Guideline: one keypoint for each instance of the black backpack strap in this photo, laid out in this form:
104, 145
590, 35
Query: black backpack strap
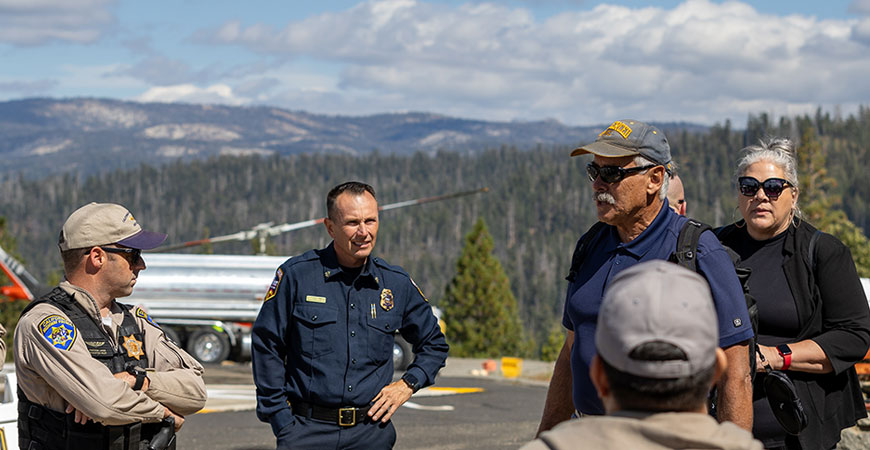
582, 249
812, 250
686, 253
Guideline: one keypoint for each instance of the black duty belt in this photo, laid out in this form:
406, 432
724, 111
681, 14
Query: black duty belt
345, 417
43, 428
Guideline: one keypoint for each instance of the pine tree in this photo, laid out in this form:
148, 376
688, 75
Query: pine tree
821, 207
479, 307
555, 340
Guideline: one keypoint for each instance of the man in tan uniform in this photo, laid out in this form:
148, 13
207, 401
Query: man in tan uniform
657, 358
94, 373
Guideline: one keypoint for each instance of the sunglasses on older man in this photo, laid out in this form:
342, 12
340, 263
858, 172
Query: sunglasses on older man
612, 174
772, 187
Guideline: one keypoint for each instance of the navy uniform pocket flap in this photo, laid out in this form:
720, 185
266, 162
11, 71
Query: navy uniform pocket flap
386, 323
315, 315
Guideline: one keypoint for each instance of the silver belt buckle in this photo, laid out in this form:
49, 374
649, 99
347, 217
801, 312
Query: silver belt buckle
346, 417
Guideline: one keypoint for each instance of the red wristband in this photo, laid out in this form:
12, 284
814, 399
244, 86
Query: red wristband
785, 352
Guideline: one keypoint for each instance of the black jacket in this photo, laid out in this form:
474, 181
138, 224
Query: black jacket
832, 311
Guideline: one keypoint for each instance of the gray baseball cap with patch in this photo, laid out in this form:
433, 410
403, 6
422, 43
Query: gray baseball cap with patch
105, 223
628, 138
658, 301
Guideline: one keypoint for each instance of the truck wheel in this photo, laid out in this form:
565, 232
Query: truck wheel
402, 354
209, 346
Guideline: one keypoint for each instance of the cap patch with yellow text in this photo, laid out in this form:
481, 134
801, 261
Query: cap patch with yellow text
619, 127
58, 331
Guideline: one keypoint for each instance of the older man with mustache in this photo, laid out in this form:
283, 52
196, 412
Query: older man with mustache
629, 174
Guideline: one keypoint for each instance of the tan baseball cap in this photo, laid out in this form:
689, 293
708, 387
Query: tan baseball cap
658, 301
105, 223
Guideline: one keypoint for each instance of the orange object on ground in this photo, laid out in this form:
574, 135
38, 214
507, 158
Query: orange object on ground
490, 366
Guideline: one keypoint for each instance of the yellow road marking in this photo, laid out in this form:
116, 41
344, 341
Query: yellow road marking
456, 390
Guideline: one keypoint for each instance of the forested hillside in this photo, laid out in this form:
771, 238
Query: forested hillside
538, 204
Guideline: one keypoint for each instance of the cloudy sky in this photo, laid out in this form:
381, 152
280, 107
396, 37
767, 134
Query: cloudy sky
579, 62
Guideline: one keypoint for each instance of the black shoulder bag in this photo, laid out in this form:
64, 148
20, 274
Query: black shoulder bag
784, 400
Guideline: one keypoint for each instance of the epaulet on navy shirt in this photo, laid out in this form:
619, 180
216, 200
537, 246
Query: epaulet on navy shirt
307, 256
385, 265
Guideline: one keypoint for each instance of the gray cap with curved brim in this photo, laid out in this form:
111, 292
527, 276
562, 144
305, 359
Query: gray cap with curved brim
105, 223
658, 301
628, 138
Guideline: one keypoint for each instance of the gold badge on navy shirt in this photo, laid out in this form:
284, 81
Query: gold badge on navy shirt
387, 299
133, 346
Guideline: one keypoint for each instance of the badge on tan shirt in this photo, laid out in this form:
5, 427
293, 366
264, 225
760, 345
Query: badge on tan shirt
387, 299
58, 331
133, 346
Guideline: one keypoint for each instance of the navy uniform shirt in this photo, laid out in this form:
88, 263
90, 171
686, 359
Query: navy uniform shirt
326, 338
607, 256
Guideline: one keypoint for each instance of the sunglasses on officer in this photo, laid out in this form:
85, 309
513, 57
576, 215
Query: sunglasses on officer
772, 187
132, 255
612, 174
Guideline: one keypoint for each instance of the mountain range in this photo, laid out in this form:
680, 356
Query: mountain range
85, 135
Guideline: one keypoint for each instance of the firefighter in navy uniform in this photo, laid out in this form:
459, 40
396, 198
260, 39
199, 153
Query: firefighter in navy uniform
94, 373
323, 341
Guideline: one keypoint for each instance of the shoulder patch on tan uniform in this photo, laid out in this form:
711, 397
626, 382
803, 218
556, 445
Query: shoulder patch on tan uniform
58, 331
140, 313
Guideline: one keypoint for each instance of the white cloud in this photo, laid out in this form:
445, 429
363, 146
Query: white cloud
36, 22
700, 61
188, 93
860, 7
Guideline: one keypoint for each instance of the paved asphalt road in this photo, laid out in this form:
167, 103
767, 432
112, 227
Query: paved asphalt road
503, 416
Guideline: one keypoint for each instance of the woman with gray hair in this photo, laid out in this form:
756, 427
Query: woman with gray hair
814, 322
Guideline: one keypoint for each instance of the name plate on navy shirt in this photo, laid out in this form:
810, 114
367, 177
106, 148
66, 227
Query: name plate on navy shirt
315, 299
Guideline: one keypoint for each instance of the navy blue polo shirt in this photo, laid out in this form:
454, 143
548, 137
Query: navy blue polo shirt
607, 256
325, 336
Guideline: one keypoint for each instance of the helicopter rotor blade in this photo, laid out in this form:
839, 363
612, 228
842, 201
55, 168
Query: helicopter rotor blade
274, 230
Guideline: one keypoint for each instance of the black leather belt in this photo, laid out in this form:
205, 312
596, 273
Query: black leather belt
345, 417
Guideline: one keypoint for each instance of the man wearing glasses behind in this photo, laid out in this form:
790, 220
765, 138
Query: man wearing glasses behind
629, 175
94, 373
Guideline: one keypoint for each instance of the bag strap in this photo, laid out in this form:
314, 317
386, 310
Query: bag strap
582, 249
686, 253
812, 250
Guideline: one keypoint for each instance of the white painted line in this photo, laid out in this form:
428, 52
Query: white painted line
413, 405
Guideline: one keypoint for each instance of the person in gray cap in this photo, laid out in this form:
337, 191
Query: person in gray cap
629, 178
94, 373
657, 358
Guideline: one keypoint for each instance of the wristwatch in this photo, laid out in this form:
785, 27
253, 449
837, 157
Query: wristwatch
411, 381
785, 352
140, 375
